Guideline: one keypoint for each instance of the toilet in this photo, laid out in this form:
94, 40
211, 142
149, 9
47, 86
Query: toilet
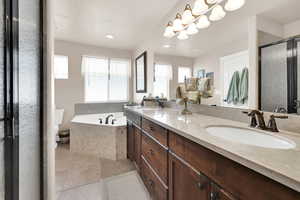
59, 114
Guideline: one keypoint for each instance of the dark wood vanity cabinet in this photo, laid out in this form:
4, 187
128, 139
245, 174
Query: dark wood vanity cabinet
175, 168
185, 182
137, 146
130, 141
218, 193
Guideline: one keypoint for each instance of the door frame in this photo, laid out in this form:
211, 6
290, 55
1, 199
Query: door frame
11, 97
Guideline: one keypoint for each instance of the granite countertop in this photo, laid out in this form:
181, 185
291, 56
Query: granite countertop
280, 165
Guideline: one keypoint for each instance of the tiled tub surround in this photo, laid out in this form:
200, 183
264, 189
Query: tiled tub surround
89, 137
282, 166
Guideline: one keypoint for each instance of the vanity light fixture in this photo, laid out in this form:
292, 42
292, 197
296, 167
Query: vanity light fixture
169, 32
192, 29
187, 16
233, 5
196, 18
217, 13
200, 7
177, 24
203, 22
183, 35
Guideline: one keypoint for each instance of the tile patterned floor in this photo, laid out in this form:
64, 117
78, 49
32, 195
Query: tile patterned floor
74, 170
126, 186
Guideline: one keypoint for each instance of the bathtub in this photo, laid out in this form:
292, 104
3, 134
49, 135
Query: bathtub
89, 137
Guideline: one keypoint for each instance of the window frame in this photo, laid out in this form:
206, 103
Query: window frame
168, 95
62, 56
191, 73
108, 84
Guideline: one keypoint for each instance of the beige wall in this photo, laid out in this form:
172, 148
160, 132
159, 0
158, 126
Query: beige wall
211, 63
71, 91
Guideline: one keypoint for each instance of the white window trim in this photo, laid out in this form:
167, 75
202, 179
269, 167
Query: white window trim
191, 72
63, 56
108, 92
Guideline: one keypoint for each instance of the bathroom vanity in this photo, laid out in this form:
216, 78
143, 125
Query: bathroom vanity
177, 159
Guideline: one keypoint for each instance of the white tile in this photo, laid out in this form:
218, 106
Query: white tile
94, 191
126, 187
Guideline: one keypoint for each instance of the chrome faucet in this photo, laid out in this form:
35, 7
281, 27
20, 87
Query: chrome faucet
107, 118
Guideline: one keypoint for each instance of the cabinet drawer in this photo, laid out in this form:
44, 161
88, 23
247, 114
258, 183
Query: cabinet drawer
155, 187
156, 131
237, 179
156, 156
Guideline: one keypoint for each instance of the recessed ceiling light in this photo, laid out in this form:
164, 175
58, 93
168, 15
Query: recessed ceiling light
167, 46
108, 36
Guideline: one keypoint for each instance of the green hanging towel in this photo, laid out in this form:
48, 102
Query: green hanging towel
243, 88
233, 92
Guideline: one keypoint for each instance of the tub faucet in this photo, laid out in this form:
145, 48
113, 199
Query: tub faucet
107, 118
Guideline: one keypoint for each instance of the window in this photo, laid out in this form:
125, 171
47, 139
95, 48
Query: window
184, 72
105, 79
162, 77
61, 68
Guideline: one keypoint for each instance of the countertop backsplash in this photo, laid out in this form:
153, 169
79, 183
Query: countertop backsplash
292, 124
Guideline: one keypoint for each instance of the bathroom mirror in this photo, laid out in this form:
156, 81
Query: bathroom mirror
250, 55
141, 73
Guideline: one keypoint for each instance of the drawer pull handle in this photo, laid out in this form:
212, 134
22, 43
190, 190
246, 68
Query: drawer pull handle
200, 185
152, 128
151, 152
151, 183
214, 196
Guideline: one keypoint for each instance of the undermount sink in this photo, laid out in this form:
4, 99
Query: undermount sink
250, 137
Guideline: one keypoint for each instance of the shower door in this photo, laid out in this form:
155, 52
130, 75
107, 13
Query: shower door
20, 99
2, 183
298, 73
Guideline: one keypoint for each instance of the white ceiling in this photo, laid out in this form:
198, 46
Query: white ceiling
88, 21
136, 22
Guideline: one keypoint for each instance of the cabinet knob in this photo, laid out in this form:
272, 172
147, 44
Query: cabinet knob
200, 185
214, 196
151, 152
152, 128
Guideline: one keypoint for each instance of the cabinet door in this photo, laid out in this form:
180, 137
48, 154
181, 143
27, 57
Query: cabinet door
130, 141
185, 182
137, 146
219, 194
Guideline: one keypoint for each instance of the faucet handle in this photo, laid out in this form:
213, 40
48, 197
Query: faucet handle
253, 121
272, 125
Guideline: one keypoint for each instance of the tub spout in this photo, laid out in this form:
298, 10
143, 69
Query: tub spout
107, 118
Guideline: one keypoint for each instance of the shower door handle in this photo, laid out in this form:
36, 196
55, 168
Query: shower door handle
2, 119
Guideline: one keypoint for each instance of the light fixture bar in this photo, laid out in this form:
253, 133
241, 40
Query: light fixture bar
211, 7
184, 24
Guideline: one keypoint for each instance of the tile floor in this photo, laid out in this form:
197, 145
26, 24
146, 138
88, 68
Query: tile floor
85, 174
126, 186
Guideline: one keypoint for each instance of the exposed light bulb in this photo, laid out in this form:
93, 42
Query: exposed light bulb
183, 35
200, 7
177, 24
217, 13
212, 1
233, 5
187, 16
192, 29
169, 32
203, 22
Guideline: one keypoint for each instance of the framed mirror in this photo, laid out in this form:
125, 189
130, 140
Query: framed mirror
141, 73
